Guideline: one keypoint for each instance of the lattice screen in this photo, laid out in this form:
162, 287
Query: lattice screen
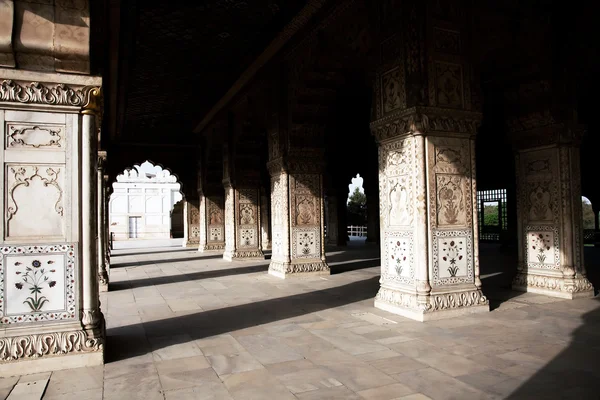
491, 198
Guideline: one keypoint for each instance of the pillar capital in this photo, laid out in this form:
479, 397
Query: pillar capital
431, 121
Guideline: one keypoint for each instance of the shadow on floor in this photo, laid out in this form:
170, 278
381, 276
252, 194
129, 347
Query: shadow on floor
117, 252
226, 271
164, 261
130, 341
572, 374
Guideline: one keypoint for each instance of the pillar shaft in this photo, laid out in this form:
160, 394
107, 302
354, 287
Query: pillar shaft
242, 223
549, 218
101, 227
91, 316
191, 215
297, 220
212, 223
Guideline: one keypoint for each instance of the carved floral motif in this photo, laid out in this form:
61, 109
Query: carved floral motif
34, 136
450, 201
247, 214
23, 175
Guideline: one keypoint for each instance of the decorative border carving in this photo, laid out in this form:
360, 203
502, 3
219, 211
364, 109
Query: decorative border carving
16, 136
23, 177
288, 268
557, 284
48, 344
439, 302
40, 93
71, 302
426, 119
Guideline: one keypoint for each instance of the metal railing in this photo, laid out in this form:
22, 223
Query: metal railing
357, 230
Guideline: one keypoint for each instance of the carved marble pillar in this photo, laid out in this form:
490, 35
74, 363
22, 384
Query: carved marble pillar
52, 319
242, 212
101, 227
191, 228
106, 232
212, 222
297, 218
265, 220
549, 216
332, 220
425, 126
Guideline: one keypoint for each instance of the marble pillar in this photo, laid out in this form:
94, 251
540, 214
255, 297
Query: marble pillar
297, 224
549, 222
106, 232
212, 223
265, 220
242, 223
48, 234
429, 245
101, 236
191, 227
425, 124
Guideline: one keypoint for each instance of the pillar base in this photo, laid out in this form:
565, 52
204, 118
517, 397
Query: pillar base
191, 244
43, 351
554, 286
211, 247
243, 255
437, 305
285, 270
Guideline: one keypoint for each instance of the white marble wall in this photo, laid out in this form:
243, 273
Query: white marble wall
148, 192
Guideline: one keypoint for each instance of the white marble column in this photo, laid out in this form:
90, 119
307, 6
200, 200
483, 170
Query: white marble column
242, 224
191, 215
101, 254
212, 223
429, 260
92, 318
265, 221
297, 212
549, 224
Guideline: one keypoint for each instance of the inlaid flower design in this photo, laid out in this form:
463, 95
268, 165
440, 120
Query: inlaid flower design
35, 278
306, 241
399, 256
541, 243
452, 254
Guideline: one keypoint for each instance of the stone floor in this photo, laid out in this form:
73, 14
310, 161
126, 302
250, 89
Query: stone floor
183, 325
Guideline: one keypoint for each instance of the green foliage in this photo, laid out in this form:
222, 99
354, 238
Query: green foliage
588, 216
490, 216
357, 208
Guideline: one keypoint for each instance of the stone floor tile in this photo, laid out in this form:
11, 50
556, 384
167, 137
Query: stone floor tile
484, 379
172, 347
183, 305
268, 349
415, 396
439, 386
256, 385
378, 355
91, 394
220, 344
8, 383
233, 363
451, 364
349, 342
75, 380
205, 391
140, 385
358, 375
184, 372
388, 392
337, 393
397, 365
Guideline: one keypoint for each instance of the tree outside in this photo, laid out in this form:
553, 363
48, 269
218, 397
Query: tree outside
588, 214
357, 208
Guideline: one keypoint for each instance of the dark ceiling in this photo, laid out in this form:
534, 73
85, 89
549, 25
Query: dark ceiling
177, 58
